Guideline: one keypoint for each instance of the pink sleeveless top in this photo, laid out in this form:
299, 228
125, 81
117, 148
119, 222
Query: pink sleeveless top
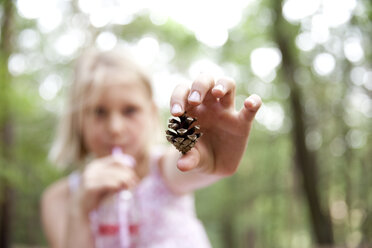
167, 220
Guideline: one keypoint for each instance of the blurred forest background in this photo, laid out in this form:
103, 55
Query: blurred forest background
306, 178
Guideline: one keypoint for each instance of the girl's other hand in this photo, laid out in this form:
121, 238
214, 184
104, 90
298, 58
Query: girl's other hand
101, 178
225, 130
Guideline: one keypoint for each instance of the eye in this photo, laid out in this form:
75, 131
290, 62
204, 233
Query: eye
130, 110
100, 111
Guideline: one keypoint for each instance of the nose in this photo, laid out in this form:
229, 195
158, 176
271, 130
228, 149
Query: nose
116, 124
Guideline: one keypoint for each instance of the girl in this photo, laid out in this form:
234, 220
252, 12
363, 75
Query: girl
111, 106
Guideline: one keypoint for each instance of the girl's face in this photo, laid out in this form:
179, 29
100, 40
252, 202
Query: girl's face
122, 115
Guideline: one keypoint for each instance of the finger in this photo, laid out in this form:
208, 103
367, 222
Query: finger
178, 99
121, 178
113, 164
189, 161
115, 170
251, 106
225, 91
116, 186
109, 181
199, 89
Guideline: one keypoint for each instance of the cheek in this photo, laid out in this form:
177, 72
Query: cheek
92, 136
143, 128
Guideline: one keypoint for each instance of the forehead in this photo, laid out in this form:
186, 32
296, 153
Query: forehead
118, 88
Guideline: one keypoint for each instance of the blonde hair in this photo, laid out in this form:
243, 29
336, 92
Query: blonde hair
93, 68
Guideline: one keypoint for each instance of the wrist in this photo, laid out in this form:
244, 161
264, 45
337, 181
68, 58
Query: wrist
77, 209
78, 233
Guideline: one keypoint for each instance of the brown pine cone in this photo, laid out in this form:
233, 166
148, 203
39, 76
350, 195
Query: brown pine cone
182, 134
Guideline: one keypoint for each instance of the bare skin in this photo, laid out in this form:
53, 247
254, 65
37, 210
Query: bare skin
216, 155
225, 132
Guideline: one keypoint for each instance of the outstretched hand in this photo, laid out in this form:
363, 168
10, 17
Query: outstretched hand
225, 130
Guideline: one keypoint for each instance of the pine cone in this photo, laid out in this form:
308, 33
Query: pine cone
182, 134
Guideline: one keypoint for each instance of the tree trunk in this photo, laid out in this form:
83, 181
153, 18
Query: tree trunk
228, 230
305, 161
6, 134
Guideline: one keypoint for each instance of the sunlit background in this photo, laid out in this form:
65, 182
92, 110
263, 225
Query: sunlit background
65, 31
175, 41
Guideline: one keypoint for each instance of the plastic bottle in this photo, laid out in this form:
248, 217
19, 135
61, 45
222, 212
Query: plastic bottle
132, 218
111, 213
133, 222
108, 233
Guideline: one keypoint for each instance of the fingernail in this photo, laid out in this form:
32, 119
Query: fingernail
176, 108
195, 96
253, 102
219, 87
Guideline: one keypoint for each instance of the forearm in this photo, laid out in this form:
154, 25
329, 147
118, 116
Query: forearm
186, 181
78, 232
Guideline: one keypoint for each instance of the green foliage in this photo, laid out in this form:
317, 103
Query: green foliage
262, 205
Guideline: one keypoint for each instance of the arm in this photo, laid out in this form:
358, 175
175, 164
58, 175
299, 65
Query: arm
63, 225
181, 182
219, 151
65, 216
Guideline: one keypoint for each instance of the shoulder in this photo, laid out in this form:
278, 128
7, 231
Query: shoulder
58, 191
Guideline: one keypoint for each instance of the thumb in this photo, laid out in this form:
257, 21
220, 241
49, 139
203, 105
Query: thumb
189, 161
